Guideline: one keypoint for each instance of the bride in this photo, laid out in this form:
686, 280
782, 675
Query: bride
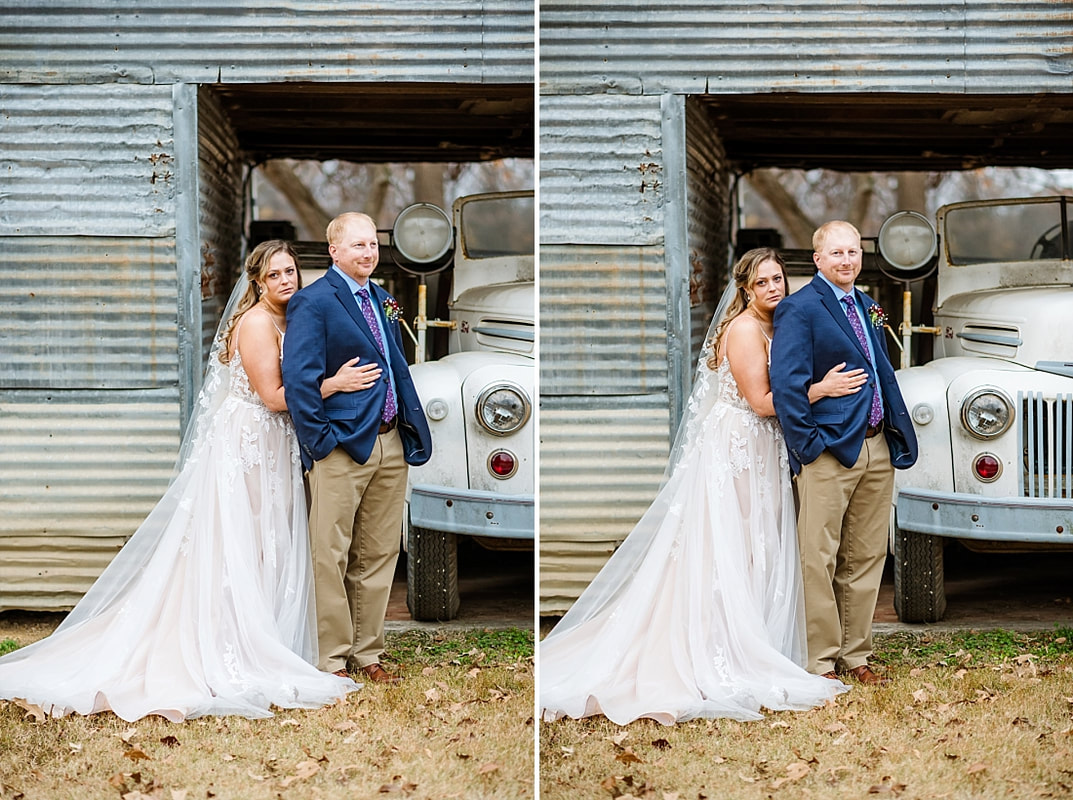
699, 612
207, 609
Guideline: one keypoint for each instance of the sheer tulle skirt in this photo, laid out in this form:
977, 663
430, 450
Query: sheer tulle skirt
208, 607
699, 612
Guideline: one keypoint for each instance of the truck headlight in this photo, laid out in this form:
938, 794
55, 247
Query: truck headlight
503, 408
986, 413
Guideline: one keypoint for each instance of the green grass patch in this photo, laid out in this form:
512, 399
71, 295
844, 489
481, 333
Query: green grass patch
980, 647
462, 647
8, 646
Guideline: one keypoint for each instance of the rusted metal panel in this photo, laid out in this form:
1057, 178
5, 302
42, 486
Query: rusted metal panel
636, 47
708, 214
603, 318
82, 312
79, 470
601, 170
152, 41
601, 462
86, 160
220, 206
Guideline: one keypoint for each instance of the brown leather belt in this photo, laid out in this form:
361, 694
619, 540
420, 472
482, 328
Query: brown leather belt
389, 426
871, 431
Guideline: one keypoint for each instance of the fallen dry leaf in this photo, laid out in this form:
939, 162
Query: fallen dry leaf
398, 785
797, 770
979, 766
179, 794
31, 710
128, 735
135, 753
627, 756
661, 744
169, 741
488, 768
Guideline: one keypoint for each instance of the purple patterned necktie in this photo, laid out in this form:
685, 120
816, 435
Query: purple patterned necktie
876, 414
366, 304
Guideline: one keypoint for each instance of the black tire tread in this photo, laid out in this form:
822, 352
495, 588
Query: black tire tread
432, 575
919, 589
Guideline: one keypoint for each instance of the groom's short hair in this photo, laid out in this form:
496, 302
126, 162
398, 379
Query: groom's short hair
338, 225
820, 235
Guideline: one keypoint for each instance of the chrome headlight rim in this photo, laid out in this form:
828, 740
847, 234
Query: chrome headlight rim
972, 398
513, 388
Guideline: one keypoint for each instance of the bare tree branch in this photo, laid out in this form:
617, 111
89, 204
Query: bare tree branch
863, 187
310, 213
798, 226
912, 192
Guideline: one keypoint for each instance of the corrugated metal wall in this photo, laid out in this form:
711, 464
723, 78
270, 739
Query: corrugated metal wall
79, 470
120, 221
162, 42
699, 46
614, 75
89, 404
86, 160
220, 175
620, 320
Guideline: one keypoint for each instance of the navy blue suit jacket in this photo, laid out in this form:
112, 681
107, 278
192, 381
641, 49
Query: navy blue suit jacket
325, 329
813, 334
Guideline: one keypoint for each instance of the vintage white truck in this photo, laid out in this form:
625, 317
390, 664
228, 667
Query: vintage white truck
993, 410
479, 398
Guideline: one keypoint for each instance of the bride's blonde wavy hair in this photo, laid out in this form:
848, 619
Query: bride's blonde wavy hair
744, 276
255, 268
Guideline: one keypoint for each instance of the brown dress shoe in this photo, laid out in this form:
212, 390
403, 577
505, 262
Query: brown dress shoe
830, 675
378, 674
342, 673
864, 674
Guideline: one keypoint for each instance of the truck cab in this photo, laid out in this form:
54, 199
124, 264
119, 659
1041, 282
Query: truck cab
993, 410
479, 400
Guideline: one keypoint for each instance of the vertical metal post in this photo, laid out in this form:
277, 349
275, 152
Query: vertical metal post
421, 323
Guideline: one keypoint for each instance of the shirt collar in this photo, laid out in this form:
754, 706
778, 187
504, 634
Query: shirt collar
353, 284
838, 290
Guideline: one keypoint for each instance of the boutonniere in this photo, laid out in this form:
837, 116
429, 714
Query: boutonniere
877, 315
391, 309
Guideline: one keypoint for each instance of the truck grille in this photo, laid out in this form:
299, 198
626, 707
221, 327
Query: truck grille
1045, 434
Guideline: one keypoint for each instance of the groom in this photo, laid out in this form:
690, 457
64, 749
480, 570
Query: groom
356, 446
843, 450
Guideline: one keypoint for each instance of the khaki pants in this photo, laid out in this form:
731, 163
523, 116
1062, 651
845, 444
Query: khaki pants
842, 534
355, 527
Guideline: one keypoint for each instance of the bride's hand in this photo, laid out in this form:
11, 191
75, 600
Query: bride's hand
351, 377
837, 383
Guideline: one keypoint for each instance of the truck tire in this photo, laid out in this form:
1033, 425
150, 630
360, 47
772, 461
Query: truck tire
919, 593
432, 575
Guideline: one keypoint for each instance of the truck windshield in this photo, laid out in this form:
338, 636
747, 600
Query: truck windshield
1022, 231
499, 226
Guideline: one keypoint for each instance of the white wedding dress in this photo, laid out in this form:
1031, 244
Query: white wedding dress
208, 607
699, 613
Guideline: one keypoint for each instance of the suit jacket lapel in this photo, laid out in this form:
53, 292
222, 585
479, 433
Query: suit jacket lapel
350, 303
838, 312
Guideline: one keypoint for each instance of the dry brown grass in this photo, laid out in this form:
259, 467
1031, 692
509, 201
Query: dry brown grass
968, 716
459, 726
